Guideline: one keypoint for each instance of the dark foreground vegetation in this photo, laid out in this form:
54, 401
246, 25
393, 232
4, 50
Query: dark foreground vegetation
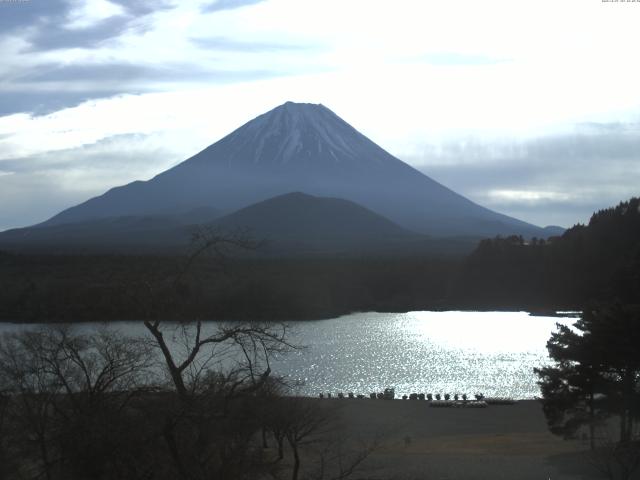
597, 261
593, 388
48, 288
103, 406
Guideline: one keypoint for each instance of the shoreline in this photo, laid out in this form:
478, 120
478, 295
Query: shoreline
550, 313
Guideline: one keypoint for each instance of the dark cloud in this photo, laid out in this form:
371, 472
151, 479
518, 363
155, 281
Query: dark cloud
35, 91
45, 102
55, 37
51, 17
18, 15
228, 5
126, 73
51, 86
138, 8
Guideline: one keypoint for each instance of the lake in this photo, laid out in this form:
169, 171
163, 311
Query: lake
429, 352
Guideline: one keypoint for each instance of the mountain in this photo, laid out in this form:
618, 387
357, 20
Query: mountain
123, 233
300, 148
297, 221
553, 231
292, 224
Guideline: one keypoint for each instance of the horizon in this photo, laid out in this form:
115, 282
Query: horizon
530, 127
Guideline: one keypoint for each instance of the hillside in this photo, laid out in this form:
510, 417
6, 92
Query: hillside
297, 221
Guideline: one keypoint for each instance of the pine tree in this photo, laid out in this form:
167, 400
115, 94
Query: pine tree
596, 372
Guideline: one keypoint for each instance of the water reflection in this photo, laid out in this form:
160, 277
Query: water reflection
430, 352
454, 352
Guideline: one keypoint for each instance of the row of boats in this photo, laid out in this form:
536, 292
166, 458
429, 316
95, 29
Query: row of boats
437, 400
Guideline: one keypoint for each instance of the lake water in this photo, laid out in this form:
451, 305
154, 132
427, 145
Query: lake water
429, 352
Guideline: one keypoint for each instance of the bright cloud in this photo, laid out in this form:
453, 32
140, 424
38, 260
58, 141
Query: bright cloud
87, 13
528, 196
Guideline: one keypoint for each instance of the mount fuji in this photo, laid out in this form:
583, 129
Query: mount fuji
296, 148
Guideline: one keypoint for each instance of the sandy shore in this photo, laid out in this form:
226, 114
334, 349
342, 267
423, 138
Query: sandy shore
499, 442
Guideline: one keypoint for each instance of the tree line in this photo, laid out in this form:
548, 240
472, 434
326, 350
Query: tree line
600, 260
592, 388
64, 288
597, 261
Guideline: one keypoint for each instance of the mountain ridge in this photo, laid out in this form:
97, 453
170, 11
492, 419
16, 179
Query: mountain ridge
307, 148
300, 216
290, 224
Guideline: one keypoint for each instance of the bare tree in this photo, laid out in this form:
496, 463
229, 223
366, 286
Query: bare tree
614, 459
216, 370
68, 395
305, 423
93, 406
5, 455
338, 460
314, 433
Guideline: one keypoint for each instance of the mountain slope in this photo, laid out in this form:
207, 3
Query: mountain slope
308, 221
293, 223
129, 233
306, 148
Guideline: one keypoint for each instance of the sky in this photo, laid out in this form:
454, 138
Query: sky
530, 108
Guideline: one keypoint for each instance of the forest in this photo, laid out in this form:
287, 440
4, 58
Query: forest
597, 260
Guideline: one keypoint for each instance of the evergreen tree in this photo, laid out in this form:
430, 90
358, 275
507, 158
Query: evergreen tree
570, 387
596, 372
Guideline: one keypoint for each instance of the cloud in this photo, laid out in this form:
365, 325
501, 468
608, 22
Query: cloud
228, 44
528, 196
59, 37
33, 198
39, 186
87, 13
559, 179
53, 87
35, 40
55, 58
220, 5
140, 8
453, 58
124, 75
87, 24
58, 24
16, 16
101, 162
44, 102
402, 73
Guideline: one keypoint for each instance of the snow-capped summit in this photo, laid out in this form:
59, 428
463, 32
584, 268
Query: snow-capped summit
298, 135
300, 147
